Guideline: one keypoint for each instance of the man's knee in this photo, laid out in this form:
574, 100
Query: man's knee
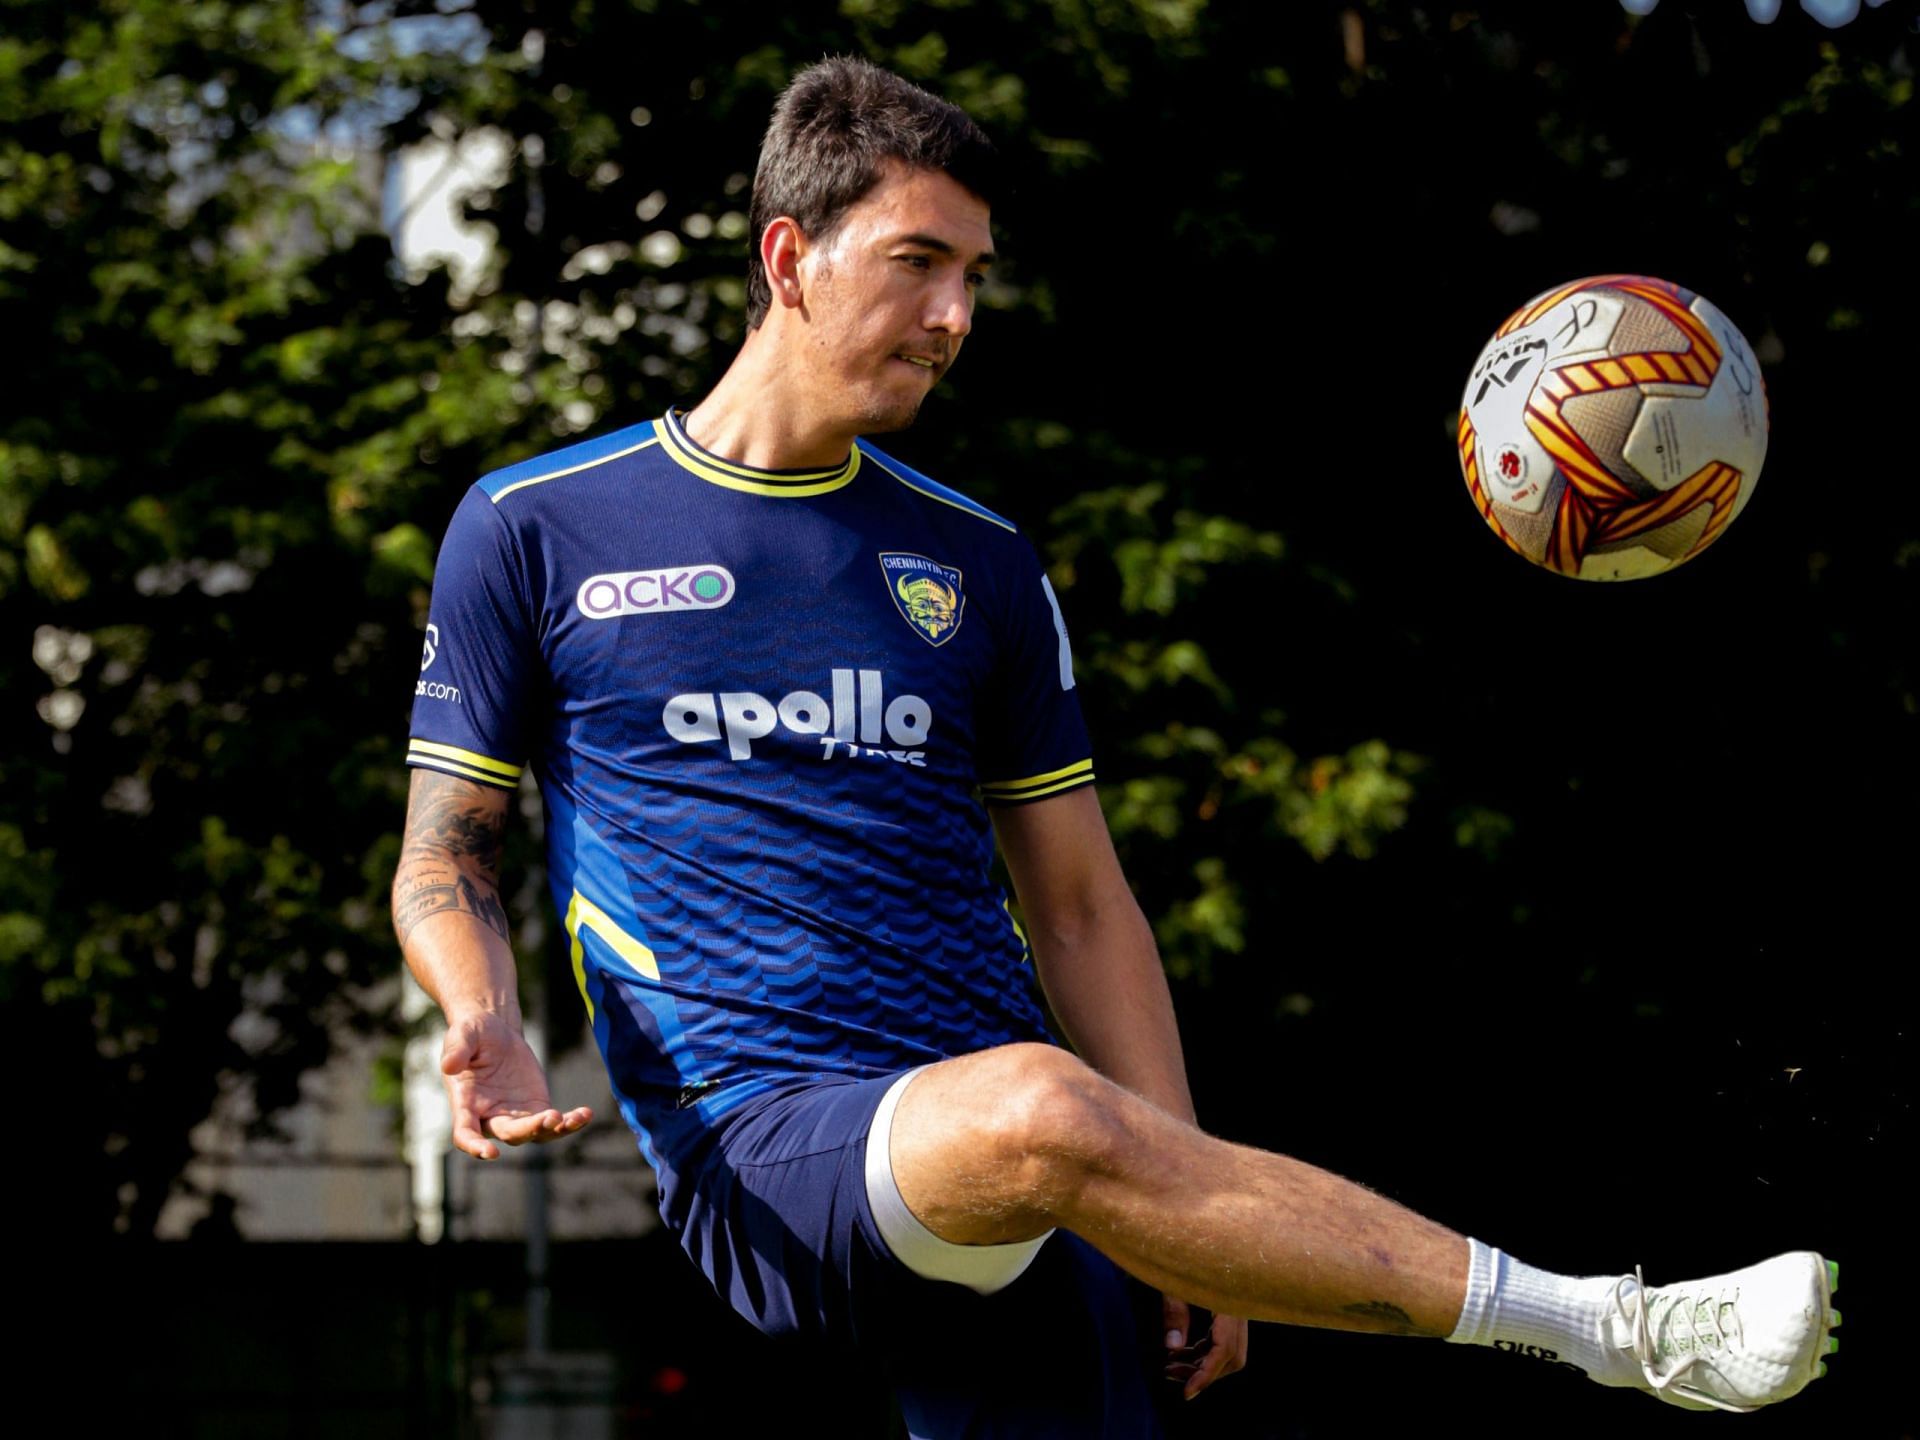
997, 1145
1049, 1121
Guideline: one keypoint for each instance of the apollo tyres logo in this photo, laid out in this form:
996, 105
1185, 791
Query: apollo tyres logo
858, 723
650, 592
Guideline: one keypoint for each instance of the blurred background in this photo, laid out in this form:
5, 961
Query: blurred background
1578, 916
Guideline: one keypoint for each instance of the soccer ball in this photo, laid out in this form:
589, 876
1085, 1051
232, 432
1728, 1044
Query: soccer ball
1613, 428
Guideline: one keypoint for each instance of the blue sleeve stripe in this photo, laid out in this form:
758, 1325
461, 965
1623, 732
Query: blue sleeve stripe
933, 489
570, 461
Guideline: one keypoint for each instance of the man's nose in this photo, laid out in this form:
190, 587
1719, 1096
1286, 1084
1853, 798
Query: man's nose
952, 309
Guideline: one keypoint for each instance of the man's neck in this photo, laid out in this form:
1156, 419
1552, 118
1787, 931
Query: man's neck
755, 417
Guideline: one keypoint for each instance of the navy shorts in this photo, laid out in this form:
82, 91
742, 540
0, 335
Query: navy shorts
780, 1222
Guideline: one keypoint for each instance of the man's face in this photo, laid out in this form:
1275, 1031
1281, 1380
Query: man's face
889, 296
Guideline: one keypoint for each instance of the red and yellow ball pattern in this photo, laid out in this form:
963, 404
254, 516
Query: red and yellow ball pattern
1613, 427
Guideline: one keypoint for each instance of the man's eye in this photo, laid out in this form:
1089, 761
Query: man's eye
919, 262
976, 279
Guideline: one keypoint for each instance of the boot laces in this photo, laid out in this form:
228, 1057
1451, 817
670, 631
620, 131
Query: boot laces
1680, 1317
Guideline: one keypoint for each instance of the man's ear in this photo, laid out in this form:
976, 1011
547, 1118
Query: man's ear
782, 246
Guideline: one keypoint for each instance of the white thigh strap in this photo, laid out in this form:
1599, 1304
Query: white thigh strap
985, 1268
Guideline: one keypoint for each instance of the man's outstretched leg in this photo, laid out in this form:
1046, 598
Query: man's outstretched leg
1003, 1145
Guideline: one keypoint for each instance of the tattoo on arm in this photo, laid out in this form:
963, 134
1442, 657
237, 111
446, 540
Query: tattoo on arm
1391, 1318
452, 819
452, 841
424, 900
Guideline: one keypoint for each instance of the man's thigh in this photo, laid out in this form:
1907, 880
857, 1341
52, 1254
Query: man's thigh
778, 1218
784, 1226
798, 1221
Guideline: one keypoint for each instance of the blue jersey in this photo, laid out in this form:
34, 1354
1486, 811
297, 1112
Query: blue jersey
764, 709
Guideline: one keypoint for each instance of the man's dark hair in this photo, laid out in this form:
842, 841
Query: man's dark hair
833, 129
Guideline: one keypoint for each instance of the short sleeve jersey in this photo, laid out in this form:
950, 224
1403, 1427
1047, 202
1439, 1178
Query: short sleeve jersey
764, 709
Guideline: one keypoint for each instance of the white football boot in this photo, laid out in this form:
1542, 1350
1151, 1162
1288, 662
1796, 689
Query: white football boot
1729, 1342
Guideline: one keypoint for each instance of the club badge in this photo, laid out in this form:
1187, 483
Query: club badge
926, 593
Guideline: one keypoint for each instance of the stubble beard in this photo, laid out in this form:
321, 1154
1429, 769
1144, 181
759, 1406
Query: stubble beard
885, 416
881, 408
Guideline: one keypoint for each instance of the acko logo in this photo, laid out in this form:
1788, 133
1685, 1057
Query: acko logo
858, 721
647, 592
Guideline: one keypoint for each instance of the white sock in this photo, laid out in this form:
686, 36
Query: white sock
1562, 1319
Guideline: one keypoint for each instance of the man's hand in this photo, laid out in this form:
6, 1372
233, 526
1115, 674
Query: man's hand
1196, 1365
496, 1089
447, 913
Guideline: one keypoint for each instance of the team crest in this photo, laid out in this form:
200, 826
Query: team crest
926, 593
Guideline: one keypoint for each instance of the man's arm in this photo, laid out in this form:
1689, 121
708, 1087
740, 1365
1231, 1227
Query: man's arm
1095, 955
1092, 947
453, 930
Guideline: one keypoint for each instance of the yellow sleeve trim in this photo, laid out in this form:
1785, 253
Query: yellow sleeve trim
996, 797
1036, 787
466, 757
1078, 768
454, 767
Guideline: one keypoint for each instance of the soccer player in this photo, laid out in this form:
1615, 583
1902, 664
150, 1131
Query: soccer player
781, 693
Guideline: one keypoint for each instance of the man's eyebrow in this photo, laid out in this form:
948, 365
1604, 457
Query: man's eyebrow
934, 242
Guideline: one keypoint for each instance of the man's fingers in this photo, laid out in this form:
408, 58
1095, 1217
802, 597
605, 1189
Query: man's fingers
1228, 1354
537, 1127
468, 1139
469, 1130
1206, 1372
519, 1129
1230, 1334
1173, 1319
1187, 1340
476, 1137
554, 1125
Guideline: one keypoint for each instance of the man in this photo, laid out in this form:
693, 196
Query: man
762, 670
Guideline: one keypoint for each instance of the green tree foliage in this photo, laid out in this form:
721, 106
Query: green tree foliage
1250, 250
203, 570
224, 480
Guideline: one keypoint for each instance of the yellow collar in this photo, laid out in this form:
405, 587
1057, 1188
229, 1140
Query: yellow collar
675, 441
